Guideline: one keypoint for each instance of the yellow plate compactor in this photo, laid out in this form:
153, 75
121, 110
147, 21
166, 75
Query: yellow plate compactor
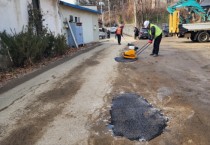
133, 51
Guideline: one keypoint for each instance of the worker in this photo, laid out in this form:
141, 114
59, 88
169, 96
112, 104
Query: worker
108, 33
119, 34
136, 32
155, 34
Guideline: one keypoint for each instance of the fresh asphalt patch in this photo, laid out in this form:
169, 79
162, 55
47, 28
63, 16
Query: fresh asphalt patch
122, 59
135, 118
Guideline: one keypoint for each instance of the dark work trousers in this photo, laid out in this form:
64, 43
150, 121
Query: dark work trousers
157, 44
119, 38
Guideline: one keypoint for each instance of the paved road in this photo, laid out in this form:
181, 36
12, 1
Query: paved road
74, 90
69, 104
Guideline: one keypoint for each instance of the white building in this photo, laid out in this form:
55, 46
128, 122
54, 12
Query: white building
86, 16
70, 1
14, 15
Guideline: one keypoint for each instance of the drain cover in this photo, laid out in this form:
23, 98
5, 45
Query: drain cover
122, 59
134, 118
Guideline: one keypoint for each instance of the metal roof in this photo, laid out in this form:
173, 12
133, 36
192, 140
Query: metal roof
79, 7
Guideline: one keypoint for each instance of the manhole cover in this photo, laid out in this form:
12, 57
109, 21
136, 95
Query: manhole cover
134, 118
122, 59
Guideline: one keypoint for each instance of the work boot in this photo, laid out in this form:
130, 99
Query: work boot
155, 55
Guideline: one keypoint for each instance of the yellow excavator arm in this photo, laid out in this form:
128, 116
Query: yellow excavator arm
174, 22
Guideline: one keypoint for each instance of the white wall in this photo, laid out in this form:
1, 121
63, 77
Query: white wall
51, 15
13, 15
89, 22
71, 1
91, 7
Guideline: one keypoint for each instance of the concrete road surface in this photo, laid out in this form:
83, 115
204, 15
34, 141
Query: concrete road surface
69, 104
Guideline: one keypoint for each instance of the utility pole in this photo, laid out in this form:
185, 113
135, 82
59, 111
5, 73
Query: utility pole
109, 13
123, 9
101, 4
142, 12
157, 8
134, 4
114, 7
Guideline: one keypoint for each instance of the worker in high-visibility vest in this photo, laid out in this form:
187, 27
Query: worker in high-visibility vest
119, 34
155, 33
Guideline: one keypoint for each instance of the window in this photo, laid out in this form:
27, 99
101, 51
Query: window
75, 19
71, 18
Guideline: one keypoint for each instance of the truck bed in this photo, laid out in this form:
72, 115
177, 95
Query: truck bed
197, 26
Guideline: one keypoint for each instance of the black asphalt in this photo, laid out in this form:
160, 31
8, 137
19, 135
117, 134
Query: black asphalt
122, 59
134, 118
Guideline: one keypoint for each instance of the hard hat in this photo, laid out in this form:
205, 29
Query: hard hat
131, 47
146, 24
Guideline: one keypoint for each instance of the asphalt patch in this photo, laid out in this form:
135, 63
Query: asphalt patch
136, 119
122, 59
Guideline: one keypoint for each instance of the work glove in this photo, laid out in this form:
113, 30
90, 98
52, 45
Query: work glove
150, 41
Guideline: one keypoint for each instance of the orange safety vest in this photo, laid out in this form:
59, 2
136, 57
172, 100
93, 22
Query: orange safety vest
119, 31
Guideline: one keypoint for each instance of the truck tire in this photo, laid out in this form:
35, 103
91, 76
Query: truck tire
192, 37
203, 37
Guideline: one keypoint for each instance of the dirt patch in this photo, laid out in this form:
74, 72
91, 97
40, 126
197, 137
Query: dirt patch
93, 63
206, 67
176, 82
32, 126
31, 129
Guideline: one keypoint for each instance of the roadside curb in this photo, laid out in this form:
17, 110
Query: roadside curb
17, 81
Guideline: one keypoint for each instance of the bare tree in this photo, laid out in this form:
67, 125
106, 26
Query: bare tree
123, 11
146, 10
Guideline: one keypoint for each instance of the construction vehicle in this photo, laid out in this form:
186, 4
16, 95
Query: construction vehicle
133, 51
183, 23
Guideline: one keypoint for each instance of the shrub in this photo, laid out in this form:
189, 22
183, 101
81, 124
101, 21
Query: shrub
49, 49
60, 45
8, 44
26, 48
33, 43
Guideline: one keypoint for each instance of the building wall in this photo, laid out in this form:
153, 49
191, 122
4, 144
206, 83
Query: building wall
14, 15
89, 22
51, 15
128, 29
71, 1
91, 7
